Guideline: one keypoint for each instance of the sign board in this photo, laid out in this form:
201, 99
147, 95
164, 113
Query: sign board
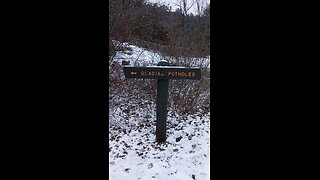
162, 72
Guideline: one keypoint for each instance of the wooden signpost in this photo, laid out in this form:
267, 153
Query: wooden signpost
162, 72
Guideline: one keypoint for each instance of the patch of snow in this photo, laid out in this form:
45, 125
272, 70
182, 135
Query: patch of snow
143, 57
134, 154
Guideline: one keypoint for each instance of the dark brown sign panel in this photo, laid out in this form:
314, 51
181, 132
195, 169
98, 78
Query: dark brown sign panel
166, 72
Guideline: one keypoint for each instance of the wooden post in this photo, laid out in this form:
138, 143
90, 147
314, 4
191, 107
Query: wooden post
162, 102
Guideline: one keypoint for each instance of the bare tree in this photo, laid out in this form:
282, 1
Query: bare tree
185, 6
200, 6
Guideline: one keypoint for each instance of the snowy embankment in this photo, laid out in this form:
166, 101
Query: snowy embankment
143, 57
137, 55
133, 152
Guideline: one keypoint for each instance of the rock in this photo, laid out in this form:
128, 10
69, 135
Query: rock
178, 138
150, 166
148, 116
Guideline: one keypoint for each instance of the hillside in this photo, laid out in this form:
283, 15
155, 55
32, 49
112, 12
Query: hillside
179, 32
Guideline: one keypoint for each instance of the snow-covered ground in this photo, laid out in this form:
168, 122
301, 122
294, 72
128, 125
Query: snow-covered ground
133, 152
139, 56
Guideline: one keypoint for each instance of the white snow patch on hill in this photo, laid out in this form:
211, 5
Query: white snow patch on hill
137, 55
144, 57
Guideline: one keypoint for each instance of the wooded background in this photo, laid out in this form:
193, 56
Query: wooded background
177, 32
